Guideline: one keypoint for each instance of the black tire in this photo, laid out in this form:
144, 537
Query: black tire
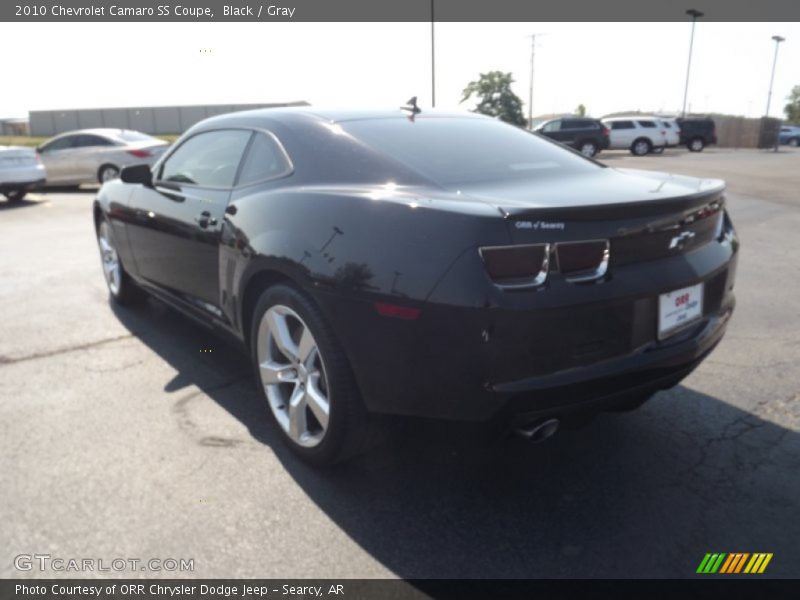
125, 292
348, 425
794, 142
641, 147
696, 144
107, 173
16, 195
588, 148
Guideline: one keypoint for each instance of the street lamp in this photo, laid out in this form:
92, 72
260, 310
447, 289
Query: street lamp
778, 39
695, 14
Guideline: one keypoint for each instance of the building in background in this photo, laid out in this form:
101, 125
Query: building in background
17, 126
155, 120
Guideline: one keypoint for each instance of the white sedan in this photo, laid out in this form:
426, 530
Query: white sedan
20, 170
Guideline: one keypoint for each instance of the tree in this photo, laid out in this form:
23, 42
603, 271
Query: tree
581, 110
495, 98
792, 109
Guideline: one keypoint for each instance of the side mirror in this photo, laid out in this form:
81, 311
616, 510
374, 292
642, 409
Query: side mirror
137, 174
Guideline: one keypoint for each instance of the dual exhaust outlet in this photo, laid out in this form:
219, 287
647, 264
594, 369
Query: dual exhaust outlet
538, 431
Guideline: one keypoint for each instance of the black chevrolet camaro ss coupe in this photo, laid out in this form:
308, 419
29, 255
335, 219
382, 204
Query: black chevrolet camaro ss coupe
433, 264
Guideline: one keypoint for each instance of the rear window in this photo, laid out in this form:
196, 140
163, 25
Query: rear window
648, 124
467, 150
135, 136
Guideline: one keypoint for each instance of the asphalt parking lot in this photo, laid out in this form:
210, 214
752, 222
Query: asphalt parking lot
133, 433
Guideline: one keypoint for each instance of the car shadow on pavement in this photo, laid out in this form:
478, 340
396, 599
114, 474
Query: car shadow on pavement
24, 203
642, 494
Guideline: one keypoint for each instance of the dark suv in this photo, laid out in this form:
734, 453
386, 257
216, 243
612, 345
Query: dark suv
697, 133
587, 136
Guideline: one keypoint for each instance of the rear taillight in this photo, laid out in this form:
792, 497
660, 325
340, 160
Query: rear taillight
140, 153
606, 132
583, 261
517, 266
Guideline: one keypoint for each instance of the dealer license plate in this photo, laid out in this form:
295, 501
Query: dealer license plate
679, 308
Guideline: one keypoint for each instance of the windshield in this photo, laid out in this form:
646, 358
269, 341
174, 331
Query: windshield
467, 150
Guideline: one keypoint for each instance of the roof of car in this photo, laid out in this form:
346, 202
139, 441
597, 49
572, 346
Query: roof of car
633, 118
337, 115
107, 131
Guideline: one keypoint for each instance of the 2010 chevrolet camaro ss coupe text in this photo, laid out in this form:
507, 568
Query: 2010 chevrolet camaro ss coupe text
436, 265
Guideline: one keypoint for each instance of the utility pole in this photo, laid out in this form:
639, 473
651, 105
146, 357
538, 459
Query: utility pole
695, 14
530, 89
433, 58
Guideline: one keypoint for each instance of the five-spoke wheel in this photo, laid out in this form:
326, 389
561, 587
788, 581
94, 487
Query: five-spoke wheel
293, 375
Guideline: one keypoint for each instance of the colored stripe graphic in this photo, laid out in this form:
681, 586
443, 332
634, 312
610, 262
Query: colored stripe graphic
711, 563
734, 563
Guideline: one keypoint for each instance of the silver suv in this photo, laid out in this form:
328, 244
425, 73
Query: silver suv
640, 135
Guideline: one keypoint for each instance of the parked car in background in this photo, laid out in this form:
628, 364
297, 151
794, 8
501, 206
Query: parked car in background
96, 155
790, 135
20, 170
640, 135
671, 131
697, 132
587, 136
449, 266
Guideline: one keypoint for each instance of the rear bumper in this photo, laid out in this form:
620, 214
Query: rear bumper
22, 177
563, 349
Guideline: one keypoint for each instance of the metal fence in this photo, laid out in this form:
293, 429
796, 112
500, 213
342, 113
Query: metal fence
155, 120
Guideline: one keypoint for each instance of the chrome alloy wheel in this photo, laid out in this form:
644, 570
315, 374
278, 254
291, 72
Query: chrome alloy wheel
293, 375
110, 259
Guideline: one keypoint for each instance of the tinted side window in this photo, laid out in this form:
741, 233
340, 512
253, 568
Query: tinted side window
570, 124
666, 124
209, 159
264, 160
588, 124
59, 144
622, 125
648, 124
85, 141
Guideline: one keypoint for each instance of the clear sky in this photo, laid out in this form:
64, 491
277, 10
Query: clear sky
608, 67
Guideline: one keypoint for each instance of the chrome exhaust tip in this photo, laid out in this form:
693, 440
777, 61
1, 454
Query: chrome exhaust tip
538, 431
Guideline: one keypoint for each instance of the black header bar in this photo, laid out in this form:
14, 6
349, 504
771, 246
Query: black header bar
395, 10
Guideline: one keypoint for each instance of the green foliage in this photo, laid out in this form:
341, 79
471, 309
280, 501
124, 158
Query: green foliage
792, 109
495, 97
581, 110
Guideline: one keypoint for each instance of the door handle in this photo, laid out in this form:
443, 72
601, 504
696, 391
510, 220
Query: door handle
204, 220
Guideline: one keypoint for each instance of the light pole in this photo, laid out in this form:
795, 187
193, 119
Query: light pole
778, 39
695, 14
